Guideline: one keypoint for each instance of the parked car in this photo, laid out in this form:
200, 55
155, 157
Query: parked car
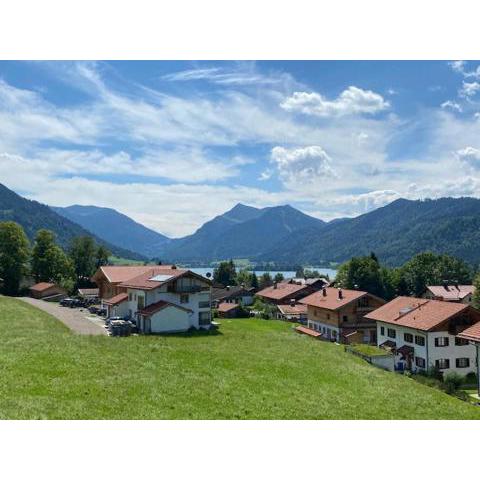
66, 302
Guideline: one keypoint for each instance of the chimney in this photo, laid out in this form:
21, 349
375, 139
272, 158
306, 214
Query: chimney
275, 285
174, 267
324, 291
340, 294
227, 287
292, 302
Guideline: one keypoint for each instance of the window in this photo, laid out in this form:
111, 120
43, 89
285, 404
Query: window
442, 363
204, 318
382, 330
140, 302
420, 362
419, 340
408, 337
459, 342
391, 333
334, 334
345, 318
462, 362
184, 298
441, 342
205, 304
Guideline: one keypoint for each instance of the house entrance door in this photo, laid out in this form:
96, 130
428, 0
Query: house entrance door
147, 325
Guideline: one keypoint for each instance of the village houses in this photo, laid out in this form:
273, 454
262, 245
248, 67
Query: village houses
282, 293
450, 293
159, 298
340, 315
423, 333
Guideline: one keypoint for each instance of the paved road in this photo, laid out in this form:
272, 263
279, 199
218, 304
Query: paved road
78, 320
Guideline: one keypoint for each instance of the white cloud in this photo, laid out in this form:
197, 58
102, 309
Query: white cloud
300, 166
469, 89
351, 101
459, 66
451, 105
470, 156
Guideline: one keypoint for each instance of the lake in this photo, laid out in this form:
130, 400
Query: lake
286, 273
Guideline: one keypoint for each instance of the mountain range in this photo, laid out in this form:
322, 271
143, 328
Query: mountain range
33, 216
116, 228
282, 234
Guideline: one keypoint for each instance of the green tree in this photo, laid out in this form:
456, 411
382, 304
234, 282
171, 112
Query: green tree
244, 277
265, 281
432, 269
49, 262
254, 283
278, 277
83, 254
102, 255
476, 293
365, 273
225, 273
14, 255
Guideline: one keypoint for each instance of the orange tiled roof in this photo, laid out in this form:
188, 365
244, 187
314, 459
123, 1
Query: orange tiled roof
42, 286
283, 290
227, 307
471, 333
122, 273
156, 307
418, 313
332, 301
117, 299
297, 309
144, 280
451, 292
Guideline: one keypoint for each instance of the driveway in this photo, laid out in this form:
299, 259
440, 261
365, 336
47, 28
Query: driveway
78, 320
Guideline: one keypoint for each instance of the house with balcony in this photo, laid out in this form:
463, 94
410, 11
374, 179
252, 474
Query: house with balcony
165, 299
340, 315
423, 334
283, 293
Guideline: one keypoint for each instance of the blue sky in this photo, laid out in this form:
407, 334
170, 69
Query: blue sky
173, 144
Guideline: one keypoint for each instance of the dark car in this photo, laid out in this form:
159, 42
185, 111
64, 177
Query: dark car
66, 302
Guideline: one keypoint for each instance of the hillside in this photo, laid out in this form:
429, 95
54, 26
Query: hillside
116, 228
33, 216
250, 369
395, 233
242, 232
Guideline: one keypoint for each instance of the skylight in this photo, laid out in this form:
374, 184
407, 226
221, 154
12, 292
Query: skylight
161, 278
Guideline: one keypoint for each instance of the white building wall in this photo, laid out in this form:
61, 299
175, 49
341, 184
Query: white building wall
170, 319
329, 331
429, 352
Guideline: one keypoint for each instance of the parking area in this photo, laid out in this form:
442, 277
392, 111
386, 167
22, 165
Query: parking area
78, 320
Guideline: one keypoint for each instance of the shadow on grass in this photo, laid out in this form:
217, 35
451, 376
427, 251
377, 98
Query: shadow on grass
190, 334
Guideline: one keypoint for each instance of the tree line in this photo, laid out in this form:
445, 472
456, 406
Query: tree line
45, 260
411, 279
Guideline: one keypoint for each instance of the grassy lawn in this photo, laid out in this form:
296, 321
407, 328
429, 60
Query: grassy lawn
250, 369
369, 350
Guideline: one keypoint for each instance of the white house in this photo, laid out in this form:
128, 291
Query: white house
166, 299
422, 334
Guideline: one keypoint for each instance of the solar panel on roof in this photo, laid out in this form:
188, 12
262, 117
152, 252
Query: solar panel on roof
161, 278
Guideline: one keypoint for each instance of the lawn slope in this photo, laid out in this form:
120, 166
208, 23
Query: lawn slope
251, 369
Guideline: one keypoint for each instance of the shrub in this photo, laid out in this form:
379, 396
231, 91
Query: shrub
471, 378
453, 381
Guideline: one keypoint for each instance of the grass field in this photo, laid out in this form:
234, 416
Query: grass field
250, 369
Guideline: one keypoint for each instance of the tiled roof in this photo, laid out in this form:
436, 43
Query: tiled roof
144, 280
42, 286
451, 292
156, 307
471, 333
117, 299
418, 313
227, 307
219, 293
307, 331
122, 273
283, 290
297, 309
331, 300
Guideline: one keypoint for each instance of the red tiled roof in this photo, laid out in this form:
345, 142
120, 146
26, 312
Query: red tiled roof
156, 307
331, 300
451, 292
122, 273
307, 331
297, 309
42, 286
117, 299
283, 290
471, 333
418, 313
227, 307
